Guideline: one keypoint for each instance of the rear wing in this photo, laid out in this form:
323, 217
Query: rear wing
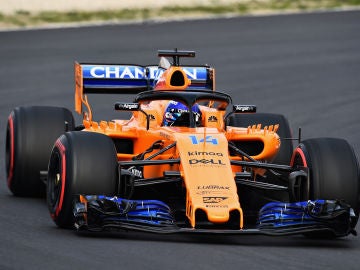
131, 79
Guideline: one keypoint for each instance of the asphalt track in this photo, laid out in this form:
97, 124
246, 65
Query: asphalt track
304, 66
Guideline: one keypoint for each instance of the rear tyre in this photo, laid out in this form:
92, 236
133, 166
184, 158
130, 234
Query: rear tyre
80, 163
30, 135
333, 169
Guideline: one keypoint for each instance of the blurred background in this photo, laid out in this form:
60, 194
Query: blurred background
30, 13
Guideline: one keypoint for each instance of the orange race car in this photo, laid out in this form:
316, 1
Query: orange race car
188, 160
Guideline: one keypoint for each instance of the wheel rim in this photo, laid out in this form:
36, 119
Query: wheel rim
298, 158
302, 187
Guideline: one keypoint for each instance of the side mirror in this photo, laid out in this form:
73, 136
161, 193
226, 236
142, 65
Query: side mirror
240, 109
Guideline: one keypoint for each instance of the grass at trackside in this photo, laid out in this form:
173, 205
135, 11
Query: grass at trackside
24, 18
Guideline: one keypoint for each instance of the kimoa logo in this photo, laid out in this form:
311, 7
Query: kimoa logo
204, 153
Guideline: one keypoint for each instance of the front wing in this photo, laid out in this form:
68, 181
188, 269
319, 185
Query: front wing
99, 213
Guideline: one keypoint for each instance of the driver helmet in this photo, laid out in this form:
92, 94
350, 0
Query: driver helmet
175, 109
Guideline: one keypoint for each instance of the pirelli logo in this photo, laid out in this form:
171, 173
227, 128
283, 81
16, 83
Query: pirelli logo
213, 199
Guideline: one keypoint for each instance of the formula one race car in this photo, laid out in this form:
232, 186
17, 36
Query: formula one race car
188, 160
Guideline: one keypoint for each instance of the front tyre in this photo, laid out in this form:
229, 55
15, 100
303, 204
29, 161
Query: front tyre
333, 169
80, 163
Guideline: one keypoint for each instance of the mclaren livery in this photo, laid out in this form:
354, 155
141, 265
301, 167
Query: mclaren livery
187, 160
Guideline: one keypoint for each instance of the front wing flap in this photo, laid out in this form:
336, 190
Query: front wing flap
329, 215
99, 213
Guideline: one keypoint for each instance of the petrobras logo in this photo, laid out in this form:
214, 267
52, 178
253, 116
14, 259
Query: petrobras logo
137, 72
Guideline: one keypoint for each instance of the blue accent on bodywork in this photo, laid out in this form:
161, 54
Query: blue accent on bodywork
333, 215
101, 210
102, 76
97, 213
